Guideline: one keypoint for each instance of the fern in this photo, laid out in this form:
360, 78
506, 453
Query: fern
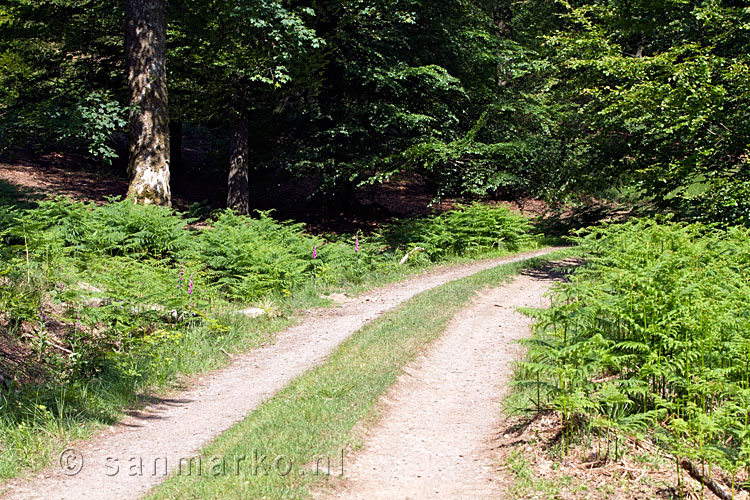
468, 231
661, 312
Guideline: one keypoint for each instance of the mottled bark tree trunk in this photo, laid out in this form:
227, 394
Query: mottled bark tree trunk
238, 196
145, 55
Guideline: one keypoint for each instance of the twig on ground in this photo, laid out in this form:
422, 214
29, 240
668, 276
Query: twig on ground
717, 488
56, 346
412, 252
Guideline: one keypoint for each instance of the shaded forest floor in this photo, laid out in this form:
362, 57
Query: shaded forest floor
199, 187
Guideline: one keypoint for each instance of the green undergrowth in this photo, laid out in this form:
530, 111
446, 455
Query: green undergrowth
652, 338
462, 232
101, 306
309, 422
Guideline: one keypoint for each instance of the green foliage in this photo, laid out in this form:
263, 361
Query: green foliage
656, 94
123, 271
19, 296
108, 301
96, 117
114, 229
61, 78
653, 336
87, 123
248, 257
403, 88
469, 230
225, 59
554, 99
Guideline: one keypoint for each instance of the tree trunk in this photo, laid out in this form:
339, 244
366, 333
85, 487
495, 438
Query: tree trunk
238, 197
148, 134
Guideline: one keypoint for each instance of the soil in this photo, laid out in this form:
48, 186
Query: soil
589, 471
176, 427
201, 187
434, 439
16, 361
67, 176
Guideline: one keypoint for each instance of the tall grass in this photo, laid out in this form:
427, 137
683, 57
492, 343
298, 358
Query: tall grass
653, 337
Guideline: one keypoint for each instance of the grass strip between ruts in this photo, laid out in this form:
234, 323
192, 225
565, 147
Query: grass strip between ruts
276, 451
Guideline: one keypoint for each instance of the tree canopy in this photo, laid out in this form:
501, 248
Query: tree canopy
553, 98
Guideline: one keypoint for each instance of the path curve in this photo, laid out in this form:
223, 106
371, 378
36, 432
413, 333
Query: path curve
433, 440
178, 427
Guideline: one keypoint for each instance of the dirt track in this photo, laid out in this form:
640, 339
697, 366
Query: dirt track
176, 428
435, 434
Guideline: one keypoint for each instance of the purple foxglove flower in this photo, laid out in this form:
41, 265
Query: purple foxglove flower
182, 277
315, 252
356, 244
190, 285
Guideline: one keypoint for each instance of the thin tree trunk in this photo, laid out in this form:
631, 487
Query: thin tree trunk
238, 197
145, 55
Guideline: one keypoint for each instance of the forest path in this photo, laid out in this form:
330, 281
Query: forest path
438, 422
125, 461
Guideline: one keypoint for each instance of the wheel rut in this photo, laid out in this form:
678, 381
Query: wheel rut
437, 423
